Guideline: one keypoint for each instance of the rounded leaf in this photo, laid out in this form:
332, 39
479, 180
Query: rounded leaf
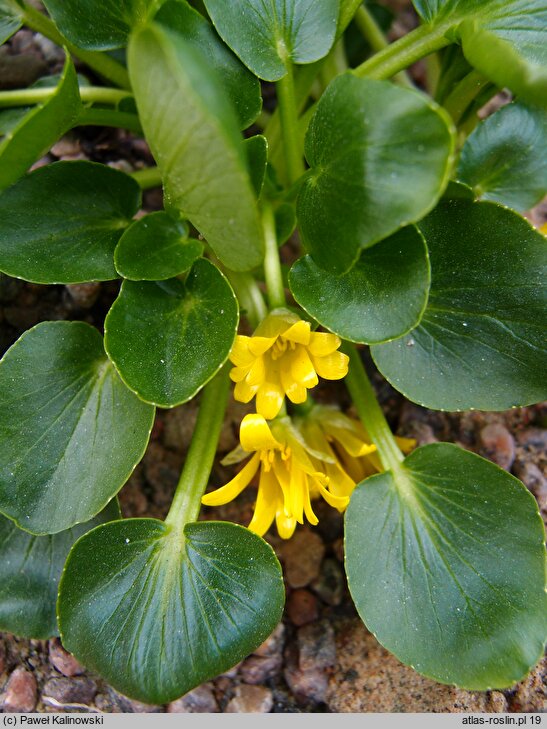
10, 19
380, 156
155, 248
71, 431
61, 223
156, 612
481, 341
169, 338
30, 570
382, 297
446, 565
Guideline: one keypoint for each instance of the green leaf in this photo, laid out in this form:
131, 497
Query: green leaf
446, 566
100, 24
267, 35
172, 608
169, 338
193, 133
380, 156
30, 570
481, 341
38, 130
501, 159
71, 431
382, 297
257, 156
242, 87
10, 19
61, 223
155, 248
504, 39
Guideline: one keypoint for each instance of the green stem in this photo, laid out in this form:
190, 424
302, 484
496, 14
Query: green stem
148, 178
103, 64
288, 111
348, 8
272, 264
459, 100
370, 412
249, 296
201, 454
88, 94
404, 52
110, 118
373, 34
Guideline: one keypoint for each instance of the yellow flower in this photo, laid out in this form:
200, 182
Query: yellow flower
283, 357
288, 477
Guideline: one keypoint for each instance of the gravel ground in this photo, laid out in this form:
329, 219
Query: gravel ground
320, 658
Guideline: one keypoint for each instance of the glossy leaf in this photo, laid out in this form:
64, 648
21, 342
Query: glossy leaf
168, 338
100, 24
38, 130
156, 611
500, 159
61, 223
380, 158
382, 297
505, 39
202, 157
10, 19
481, 341
30, 570
446, 565
257, 156
241, 86
265, 35
71, 431
155, 248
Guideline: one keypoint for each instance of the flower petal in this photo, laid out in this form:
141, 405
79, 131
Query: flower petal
255, 434
308, 511
266, 504
257, 373
349, 441
259, 345
322, 343
338, 502
332, 367
285, 524
302, 368
240, 355
238, 373
276, 323
300, 333
234, 487
244, 392
269, 399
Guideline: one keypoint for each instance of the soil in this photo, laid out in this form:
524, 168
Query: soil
320, 658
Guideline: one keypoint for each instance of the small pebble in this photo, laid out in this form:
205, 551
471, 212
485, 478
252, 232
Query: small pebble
302, 556
330, 583
21, 692
273, 644
84, 295
250, 700
255, 669
64, 661
316, 646
200, 700
498, 445
302, 607
70, 690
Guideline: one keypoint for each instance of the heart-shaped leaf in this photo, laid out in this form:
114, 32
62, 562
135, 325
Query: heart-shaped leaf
380, 157
382, 297
10, 19
157, 611
481, 341
241, 86
155, 248
168, 338
71, 431
500, 159
100, 24
40, 128
30, 570
505, 39
446, 565
202, 157
265, 35
61, 223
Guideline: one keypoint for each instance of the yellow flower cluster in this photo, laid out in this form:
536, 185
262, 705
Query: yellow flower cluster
320, 455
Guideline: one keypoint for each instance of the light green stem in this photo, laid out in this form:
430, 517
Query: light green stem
148, 178
201, 454
88, 94
370, 412
373, 34
110, 118
249, 296
103, 64
459, 100
272, 264
288, 111
404, 52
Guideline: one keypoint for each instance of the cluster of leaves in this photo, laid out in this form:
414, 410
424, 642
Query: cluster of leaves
414, 247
